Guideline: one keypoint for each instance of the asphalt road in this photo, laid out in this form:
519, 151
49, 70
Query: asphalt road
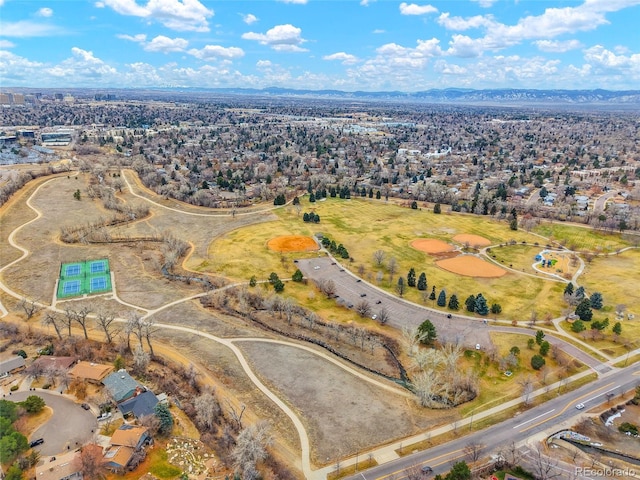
69, 426
601, 202
459, 329
544, 418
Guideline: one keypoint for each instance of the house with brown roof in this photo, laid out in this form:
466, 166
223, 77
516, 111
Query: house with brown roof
47, 362
126, 450
64, 467
91, 372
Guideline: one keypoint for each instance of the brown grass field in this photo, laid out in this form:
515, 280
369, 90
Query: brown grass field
471, 266
472, 240
432, 245
292, 243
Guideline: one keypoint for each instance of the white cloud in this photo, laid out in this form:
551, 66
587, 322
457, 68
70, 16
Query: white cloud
446, 68
599, 56
465, 47
83, 67
485, 3
413, 9
366, 3
345, 58
165, 44
138, 38
378, 31
249, 18
285, 38
459, 23
27, 28
6, 44
44, 12
298, 2
181, 15
216, 52
557, 46
264, 64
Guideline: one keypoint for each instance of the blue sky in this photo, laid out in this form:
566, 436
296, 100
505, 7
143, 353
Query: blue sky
350, 45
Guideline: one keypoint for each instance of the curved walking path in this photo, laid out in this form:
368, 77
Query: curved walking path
230, 343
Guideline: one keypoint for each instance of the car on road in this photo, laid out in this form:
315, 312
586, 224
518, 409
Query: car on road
378, 302
363, 294
580, 406
104, 416
317, 267
36, 442
86, 406
374, 316
448, 315
426, 469
477, 346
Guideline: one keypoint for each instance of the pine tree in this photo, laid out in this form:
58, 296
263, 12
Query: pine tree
470, 303
432, 296
568, 290
442, 298
422, 282
165, 418
481, 305
596, 300
583, 310
580, 293
453, 302
427, 332
411, 278
437, 208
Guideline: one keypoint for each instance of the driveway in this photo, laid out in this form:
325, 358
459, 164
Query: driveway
68, 428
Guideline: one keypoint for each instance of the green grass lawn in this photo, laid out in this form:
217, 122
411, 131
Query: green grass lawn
577, 238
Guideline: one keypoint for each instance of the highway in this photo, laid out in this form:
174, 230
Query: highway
543, 418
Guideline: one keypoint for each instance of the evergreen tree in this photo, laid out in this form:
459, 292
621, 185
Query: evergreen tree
432, 296
164, 416
427, 332
578, 326
481, 305
596, 300
411, 278
568, 290
422, 282
453, 302
297, 276
305, 217
459, 471
537, 362
470, 303
312, 197
539, 337
583, 310
414, 205
442, 298
617, 329
378, 195
400, 288
544, 348
580, 295
496, 308
437, 208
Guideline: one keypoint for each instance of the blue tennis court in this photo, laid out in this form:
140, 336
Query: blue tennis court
98, 283
98, 267
71, 287
72, 270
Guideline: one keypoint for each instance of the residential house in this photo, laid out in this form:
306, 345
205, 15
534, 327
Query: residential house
64, 467
91, 372
125, 451
140, 405
11, 365
47, 362
121, 386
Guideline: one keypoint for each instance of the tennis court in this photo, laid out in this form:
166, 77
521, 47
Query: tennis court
84, 278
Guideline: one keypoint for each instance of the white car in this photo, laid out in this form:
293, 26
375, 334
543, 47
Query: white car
580, 406
374, 316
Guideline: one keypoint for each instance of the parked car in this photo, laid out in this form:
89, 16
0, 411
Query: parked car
36, 442
86, 406
426, 469
104, 416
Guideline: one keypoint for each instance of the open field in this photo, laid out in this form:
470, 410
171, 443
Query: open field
366, 415
366, 226
471, 266
475, 241
578, 238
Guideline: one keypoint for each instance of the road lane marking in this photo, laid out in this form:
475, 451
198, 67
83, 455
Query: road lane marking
569, 404
435, 464
589, 399
535, 418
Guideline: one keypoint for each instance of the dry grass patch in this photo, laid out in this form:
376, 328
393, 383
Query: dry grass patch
475, 241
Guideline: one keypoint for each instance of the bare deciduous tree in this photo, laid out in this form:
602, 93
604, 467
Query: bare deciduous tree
236, 414
328, 287
81, 316
52, 318
378, 257
105, 321
474, 451
392, 266
251, 449
544, 467
30, 307
140, 360
527, 389
208, 410
363, 308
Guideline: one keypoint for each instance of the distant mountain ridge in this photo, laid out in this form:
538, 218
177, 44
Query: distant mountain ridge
456, 95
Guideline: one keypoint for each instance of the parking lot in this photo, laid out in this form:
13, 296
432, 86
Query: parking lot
350, 290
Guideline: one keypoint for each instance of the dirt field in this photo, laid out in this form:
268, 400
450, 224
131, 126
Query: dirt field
472, 240
342, 413
292, 243
431, 245
471, 266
